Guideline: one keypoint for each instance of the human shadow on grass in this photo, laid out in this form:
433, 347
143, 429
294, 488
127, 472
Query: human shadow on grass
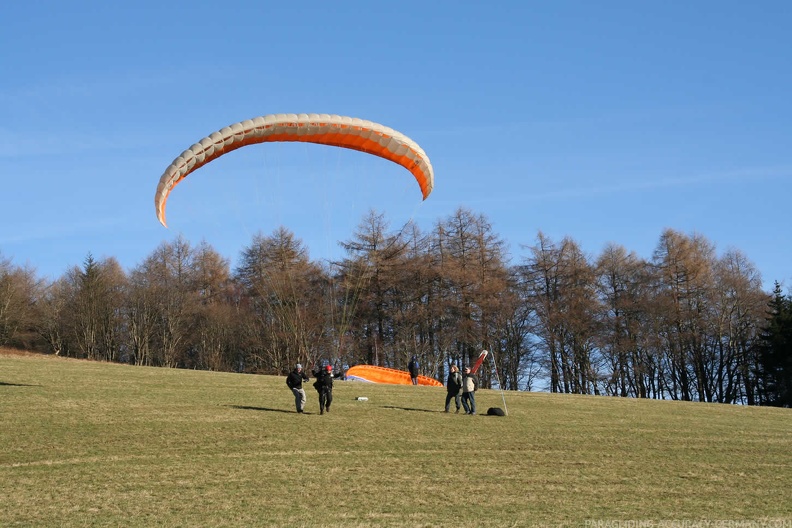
410, 409
267, 409
6, 384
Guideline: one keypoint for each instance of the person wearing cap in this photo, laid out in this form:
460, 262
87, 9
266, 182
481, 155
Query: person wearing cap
324, 386
469, 386
294, 381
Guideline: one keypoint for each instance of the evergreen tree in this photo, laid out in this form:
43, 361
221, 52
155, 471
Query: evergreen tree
775, 352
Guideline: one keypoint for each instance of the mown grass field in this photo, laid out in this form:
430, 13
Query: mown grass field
96, 444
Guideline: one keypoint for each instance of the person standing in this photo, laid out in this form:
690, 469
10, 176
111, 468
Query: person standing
469, 386
324, 386
453, 386
413, 368
294, 381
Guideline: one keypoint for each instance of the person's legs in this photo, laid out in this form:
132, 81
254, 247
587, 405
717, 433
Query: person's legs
299, 399
465, 402
300, 396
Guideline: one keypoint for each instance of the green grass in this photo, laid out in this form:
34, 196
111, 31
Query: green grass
96, 444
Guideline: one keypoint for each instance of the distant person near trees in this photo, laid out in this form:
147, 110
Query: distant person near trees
324, 386
413, 368
294, 381
453, 388
469, 386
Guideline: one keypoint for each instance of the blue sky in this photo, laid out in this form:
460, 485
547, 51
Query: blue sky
602, 121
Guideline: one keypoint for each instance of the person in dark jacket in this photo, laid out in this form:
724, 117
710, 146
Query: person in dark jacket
324, 386
413, 368
454, 387
469, 387
294, 381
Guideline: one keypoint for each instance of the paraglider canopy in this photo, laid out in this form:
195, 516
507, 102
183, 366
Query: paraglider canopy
376, 374
326, 129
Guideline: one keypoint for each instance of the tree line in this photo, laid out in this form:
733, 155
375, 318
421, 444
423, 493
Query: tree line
685, 324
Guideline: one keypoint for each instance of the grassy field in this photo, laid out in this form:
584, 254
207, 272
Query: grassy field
96, 444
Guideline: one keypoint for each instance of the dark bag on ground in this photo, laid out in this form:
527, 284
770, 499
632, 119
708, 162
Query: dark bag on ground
495, 411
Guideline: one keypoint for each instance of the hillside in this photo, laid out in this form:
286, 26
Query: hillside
98, 444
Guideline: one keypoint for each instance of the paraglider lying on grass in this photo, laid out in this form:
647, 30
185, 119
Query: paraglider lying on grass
376, 374
324, 129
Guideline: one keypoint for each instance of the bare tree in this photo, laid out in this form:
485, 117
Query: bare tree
684, 281
562, 287
95, 304
170, 277
371, 268
142, 314
623, 289
19, 290
515, 324
278, 280
740, 306
213, 341
52, 320
473, 286
413, 302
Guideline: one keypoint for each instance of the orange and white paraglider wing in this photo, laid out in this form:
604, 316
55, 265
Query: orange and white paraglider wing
375, 374
325, 129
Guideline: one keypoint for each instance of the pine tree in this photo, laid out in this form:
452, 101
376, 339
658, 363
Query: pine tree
775, 352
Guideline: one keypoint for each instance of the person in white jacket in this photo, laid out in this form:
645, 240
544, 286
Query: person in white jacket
469, 386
